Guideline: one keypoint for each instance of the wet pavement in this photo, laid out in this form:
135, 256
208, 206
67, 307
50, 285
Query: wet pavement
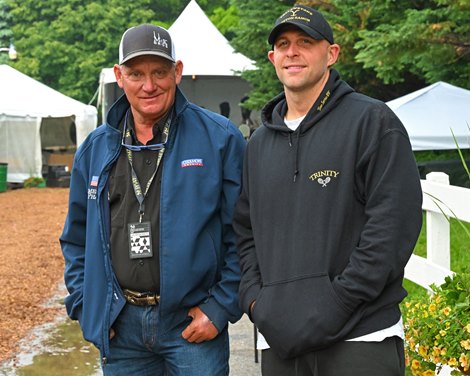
57, 349
242, 353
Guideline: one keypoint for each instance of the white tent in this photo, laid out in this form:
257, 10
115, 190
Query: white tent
201, 46
24, 103
431, 114
211, 66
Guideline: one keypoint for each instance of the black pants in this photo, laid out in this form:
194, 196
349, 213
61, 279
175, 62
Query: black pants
348, 358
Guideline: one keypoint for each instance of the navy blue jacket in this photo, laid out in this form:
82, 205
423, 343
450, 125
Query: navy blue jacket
201, 180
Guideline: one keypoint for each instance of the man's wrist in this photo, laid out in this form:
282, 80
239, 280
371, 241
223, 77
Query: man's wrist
252, 305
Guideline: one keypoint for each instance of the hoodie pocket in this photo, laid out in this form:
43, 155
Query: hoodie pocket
300, 315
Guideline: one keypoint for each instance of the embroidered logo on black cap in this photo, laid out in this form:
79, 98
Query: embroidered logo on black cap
308, 19
159, 41
146, 39
293, 15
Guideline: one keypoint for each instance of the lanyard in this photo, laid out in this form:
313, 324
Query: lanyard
135, 180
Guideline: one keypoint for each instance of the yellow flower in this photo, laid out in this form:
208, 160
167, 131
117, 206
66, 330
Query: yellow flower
468, 328
465, 344
463, 360
422, 351
442, 333
446, 311
432, 307
428, 373
452, 362
415, 364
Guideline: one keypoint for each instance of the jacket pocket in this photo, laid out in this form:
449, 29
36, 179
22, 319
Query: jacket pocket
300, 315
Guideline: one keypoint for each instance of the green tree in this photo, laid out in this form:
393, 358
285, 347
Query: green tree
431, 41
6, 35
257, 18
388, 47
66, 43
226, 20
350, 18
347, 18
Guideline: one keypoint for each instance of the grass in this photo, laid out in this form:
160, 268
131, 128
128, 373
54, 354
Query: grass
448, 161
440, 155
459, 252
459, 256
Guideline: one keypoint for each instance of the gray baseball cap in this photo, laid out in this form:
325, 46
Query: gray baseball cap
146, 39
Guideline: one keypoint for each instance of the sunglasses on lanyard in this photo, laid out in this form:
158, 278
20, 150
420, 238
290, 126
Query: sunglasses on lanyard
126, 134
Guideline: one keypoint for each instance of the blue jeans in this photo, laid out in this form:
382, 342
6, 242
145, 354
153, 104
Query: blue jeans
147, 344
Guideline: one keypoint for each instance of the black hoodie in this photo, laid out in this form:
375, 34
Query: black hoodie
327, 219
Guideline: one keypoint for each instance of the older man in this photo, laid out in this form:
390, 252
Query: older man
151, 265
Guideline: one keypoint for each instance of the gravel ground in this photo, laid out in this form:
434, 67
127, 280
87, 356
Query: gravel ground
31, 263
31, 268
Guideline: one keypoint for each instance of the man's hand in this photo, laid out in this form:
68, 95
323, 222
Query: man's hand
201, 328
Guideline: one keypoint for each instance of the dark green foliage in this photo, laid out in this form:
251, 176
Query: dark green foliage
388, 47
440, 155
432, 42
66, 43
6, 35
257, 18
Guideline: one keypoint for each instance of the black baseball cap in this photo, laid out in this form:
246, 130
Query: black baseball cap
146, 39
307, 19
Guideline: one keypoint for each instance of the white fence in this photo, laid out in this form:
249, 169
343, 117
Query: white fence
439, 198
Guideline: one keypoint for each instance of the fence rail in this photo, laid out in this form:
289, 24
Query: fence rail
439, 200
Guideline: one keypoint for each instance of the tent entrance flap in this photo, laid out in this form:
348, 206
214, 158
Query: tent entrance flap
58, 133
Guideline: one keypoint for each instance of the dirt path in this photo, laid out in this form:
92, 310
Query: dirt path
31, 263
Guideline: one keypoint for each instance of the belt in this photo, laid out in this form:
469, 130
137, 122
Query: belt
141, 298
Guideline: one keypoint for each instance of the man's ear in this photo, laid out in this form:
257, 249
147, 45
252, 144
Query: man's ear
118, 74
178, 71
271, 56
333, 53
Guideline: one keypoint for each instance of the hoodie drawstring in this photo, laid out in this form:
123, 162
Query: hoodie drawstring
297, 151
297, 146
